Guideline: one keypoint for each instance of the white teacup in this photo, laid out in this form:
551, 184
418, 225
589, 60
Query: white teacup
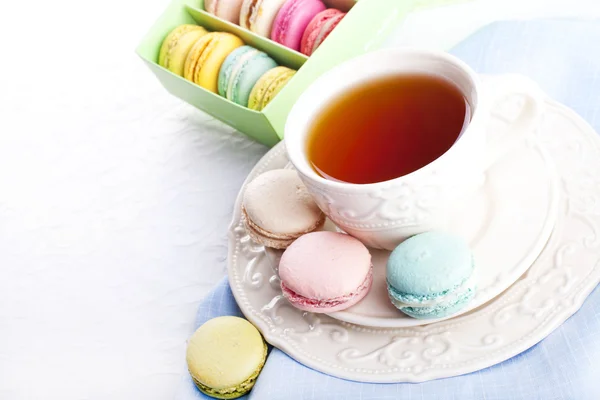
383, 214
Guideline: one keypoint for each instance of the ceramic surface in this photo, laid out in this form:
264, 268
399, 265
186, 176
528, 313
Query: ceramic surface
507, 224
553, 288
383, 214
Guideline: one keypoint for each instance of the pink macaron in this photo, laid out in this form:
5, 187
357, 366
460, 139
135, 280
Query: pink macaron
319, 28
325, 272
292, 20
229, 10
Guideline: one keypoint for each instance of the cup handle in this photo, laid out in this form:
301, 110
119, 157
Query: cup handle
497, 88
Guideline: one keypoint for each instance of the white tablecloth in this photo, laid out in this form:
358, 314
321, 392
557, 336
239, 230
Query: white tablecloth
115, 197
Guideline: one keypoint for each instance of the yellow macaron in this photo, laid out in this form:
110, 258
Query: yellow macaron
225, 356
176, 46
206, 56
268, 86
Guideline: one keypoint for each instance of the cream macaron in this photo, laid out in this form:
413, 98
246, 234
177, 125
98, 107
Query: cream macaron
277, 209
258, 15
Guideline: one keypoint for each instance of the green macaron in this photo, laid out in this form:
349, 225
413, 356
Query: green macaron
240, 72
225, 356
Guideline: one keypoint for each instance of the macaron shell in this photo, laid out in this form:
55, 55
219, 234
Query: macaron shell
429, 264
258, 15
240, 72
325, 265
292, 20
229, 10
268, 86
276, 86
206, 57
278, 202
210, 6
248, 77
172, 44
354, 298
224, 354
441, 310
268, 240
175, 61
171, 40
319, 28
228, 66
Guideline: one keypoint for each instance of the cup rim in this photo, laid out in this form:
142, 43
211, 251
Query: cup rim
296, 112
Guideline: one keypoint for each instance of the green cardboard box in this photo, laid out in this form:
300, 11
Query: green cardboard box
363, 29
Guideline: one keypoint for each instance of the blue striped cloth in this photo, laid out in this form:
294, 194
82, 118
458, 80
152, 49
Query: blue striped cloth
563, 56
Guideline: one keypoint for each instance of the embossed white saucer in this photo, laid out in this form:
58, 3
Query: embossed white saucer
507, 223
554, 287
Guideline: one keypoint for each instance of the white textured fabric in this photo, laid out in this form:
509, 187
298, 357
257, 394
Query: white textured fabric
563, 366
115, 197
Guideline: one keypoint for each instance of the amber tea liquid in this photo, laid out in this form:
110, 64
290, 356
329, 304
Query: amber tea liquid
387, 128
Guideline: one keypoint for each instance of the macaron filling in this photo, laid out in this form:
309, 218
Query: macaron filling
279, 236
196, 58
447, 297
253, 13
326, 30
297, 298
441, 310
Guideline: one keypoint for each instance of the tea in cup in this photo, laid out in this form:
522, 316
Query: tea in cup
389, 142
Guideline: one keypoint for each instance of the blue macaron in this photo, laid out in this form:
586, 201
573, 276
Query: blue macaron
431, 275
240, 71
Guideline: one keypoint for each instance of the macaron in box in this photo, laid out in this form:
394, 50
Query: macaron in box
319, 29
284, 21
240, 72
364, 28
220, 63
292, 21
